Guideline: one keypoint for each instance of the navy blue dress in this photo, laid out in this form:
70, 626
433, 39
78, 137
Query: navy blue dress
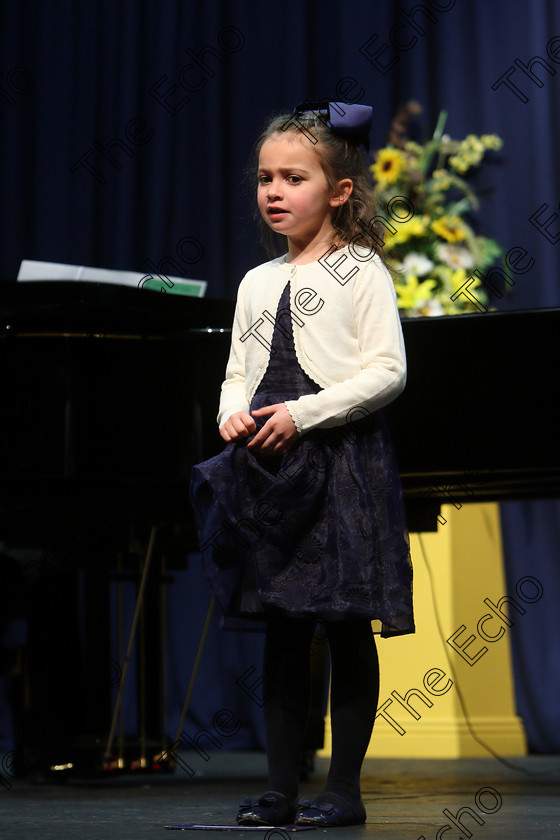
319, 532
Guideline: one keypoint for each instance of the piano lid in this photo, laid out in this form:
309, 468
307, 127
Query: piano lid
478, 409
102, 309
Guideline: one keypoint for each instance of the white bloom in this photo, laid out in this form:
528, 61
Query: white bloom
434, 307
454, 256
417, 264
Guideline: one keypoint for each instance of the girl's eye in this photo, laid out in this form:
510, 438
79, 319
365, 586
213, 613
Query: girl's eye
263, 179
294, 179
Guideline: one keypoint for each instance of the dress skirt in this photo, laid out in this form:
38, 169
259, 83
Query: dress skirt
317, 533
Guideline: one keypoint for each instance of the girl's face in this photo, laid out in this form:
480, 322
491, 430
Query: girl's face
293, 195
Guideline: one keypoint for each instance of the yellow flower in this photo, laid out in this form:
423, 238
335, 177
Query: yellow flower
412, 294
441, 179
452, 282
388, 166
475, 143
492, 141
460, 164
405, 231
458, 278
449, 228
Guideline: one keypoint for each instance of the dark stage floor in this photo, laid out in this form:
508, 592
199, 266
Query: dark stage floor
404, 798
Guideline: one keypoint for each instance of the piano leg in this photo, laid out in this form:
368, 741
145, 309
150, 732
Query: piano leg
55, 676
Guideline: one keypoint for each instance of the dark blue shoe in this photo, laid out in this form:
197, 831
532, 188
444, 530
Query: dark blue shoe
330, 809
272, 808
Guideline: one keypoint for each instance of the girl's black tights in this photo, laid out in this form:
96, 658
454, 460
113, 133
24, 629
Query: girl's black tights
354, 696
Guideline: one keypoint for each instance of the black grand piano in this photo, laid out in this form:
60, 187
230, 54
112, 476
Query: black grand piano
109, 396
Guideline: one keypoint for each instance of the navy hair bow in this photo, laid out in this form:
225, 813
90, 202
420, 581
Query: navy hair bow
347, 120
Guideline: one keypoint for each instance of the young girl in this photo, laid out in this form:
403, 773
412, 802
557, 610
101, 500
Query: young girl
301, 518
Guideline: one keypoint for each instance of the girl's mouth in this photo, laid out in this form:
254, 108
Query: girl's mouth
276, 212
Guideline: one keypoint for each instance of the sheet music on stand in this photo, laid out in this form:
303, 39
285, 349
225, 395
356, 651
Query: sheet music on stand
33, 270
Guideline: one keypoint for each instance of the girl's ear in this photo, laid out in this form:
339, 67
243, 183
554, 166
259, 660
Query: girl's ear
343, 192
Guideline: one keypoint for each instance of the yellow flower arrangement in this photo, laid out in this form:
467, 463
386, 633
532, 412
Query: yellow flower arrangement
434, 252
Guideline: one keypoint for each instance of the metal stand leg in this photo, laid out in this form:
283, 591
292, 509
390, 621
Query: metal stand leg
137, 612
195, 668
165, 755
120, 758
163, 654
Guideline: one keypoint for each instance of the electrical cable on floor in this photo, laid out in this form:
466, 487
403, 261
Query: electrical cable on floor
453, 672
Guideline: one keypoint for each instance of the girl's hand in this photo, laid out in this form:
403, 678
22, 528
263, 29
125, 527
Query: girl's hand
278, 434
239, 425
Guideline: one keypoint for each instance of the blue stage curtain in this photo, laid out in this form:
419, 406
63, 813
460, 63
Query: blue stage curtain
128, 126
125, 132
531, 537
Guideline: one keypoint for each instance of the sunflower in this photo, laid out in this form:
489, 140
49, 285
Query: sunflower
388, 166
450, 228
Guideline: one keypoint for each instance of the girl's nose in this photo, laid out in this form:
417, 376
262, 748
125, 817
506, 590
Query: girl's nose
275, 189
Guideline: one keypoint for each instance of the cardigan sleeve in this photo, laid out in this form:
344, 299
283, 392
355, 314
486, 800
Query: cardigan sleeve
382, 374
233, 396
